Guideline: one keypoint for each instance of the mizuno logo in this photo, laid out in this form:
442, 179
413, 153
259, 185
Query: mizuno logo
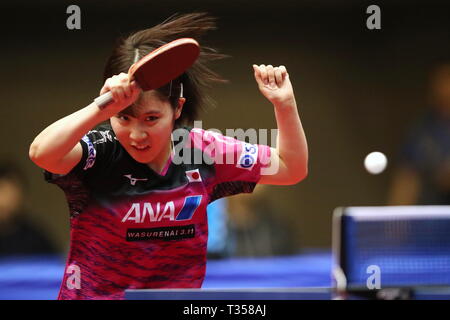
133, 180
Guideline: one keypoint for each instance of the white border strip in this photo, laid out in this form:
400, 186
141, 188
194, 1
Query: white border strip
398, 212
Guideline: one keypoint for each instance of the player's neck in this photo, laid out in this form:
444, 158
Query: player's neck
159, 163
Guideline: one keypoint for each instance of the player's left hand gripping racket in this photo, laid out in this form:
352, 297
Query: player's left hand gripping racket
160, 66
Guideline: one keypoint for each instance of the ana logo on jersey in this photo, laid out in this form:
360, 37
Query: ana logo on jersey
134, 180
140, 212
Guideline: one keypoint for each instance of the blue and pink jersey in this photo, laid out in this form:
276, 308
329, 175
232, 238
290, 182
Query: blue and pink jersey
132, 228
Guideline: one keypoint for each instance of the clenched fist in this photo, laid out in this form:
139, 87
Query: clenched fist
274, 84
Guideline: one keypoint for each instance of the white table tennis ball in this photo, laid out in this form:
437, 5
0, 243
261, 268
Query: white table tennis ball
375, 162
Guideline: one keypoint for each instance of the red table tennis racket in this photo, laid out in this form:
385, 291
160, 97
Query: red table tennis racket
160, 66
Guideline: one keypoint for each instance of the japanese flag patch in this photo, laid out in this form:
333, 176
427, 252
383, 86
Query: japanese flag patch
193, 175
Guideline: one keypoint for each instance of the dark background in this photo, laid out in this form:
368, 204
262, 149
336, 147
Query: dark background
358, 90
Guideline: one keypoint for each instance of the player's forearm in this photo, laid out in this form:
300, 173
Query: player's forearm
292, 145
58, 139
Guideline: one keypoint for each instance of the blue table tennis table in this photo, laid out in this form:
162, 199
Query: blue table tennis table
305, 276
410, 245
39, 277
261, 294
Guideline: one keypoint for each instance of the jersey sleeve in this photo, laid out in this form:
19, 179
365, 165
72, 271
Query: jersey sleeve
237, 164
98, 148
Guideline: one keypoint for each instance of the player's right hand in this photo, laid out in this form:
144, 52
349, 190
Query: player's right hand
124, 91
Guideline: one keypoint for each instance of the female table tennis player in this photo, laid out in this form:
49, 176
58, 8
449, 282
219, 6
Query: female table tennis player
138, 220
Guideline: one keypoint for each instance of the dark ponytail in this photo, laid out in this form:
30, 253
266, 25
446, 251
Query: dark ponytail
196, 80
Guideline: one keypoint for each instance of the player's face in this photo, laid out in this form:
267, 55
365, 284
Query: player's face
146, 135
